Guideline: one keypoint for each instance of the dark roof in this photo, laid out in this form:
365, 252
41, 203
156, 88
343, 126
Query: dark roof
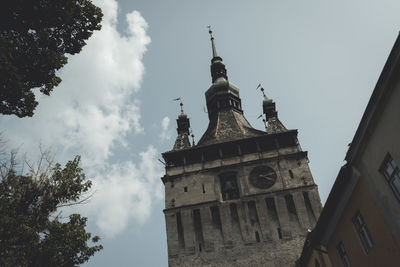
229, 125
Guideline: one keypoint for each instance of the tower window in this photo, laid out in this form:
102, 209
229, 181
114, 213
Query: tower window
310, 212
181, 238
204, 190
252, 212
271, 207
198, 229
290, 204
216, 218
229, 187
291, 174
257, 237
234, 213
279, 233
185, 189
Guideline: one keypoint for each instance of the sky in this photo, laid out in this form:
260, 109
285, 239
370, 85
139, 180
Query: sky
318, 60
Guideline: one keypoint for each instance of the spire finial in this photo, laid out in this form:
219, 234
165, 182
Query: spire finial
214, 49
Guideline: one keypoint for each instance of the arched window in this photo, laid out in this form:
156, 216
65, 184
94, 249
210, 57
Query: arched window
229, 186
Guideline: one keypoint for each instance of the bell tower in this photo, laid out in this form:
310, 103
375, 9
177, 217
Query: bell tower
241, 196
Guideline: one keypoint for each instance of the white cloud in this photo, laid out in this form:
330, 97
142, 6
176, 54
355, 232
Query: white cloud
91, 112
94, 107
124, 191
165, 134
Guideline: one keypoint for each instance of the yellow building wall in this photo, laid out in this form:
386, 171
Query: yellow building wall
385, 251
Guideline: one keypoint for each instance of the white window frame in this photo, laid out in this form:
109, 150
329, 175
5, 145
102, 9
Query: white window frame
344, 258
361, 230
391, 171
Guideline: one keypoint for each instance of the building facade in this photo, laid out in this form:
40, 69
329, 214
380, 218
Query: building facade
240, 196
360, 223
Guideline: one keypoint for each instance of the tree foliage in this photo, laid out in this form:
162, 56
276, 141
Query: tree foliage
34, 38
32, 231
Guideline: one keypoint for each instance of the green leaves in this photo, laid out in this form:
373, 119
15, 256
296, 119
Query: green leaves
34, 38
30, 235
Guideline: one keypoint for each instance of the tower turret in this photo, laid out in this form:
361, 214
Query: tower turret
182, 140
271, 115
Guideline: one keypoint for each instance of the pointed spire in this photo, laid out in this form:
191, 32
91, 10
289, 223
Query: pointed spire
214, 49
218, 69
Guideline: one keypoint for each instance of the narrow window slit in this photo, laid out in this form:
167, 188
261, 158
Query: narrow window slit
257, 237
279, 233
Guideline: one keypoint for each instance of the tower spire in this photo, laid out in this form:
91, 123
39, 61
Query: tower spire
218, 69
214, 49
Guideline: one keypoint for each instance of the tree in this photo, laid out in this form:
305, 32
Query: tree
35, 37
32, 230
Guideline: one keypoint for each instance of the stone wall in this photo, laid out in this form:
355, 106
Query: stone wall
262, 227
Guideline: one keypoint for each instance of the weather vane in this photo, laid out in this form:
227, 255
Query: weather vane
180, 103
262, 89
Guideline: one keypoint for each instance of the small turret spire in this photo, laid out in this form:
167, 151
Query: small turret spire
271, 115
183, 123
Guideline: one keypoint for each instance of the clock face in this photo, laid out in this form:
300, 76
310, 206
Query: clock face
262, 177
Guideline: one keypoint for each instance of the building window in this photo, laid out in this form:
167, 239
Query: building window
291, 174
362, 232
257, 237
279, 233
344, 259
392, 174
229, 187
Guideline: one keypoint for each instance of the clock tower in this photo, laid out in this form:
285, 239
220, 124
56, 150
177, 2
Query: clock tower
240, 196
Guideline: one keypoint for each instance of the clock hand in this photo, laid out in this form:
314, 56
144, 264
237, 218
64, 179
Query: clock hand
266, 177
